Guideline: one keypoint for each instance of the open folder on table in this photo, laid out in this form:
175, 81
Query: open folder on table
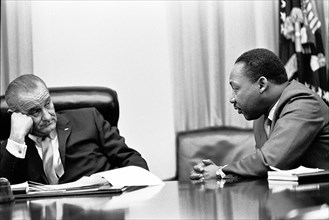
110, 181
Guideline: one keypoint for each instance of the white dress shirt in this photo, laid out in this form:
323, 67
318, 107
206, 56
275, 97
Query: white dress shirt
269, 119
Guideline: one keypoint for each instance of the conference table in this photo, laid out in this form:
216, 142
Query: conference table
246, 199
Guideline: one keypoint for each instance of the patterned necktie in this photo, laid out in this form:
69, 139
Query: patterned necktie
48, 163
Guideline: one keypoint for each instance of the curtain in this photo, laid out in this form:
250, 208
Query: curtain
206, 38
16, 41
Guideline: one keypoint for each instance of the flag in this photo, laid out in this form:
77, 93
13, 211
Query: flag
301, 46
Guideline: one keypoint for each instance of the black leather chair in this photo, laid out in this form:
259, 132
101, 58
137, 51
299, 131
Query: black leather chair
105, 100
220, 144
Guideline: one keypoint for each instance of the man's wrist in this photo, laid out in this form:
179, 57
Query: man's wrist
16, 149
219, 173
20, 139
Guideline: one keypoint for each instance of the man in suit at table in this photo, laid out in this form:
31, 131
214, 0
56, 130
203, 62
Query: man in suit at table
291, 126
51, 148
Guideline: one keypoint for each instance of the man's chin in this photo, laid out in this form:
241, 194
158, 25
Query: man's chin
248, 118
44, 132
41, 133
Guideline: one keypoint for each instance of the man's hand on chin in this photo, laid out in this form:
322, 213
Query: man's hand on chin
21, 125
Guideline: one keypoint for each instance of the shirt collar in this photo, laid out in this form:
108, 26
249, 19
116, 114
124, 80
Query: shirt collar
38, 139
271, 113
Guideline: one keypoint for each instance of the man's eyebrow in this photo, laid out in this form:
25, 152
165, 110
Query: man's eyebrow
33, 109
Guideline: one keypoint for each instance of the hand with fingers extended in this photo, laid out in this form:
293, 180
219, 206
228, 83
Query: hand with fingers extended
204, 170
21, 125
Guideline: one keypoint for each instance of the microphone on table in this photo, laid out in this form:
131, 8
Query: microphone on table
6, 194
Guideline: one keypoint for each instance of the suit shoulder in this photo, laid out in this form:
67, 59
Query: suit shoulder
297, 91
78, 117
78, 112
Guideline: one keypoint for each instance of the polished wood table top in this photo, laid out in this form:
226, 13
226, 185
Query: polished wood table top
248, 199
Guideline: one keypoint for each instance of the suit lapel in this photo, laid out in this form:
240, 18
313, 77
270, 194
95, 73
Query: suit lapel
64, 128
261, 133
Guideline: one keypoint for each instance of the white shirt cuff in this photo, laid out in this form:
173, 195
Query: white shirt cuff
219, 173
16, 149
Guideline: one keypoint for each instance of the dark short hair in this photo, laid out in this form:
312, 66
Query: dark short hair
22, 84
262, 62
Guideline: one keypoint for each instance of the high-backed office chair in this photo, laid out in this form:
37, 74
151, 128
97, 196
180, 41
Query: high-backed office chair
220, 144
105, 100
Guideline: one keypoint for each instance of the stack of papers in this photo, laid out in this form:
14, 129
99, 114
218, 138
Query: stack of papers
300, 174
110, 181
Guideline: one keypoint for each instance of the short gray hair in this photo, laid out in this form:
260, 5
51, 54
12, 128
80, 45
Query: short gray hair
22, 84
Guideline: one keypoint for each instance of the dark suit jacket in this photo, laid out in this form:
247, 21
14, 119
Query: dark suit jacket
87, 144
299, 135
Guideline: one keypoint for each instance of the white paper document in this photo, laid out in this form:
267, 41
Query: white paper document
130, 176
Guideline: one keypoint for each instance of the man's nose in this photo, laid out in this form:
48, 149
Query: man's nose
45, 114
232, 99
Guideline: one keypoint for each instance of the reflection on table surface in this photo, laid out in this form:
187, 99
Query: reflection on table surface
248, 199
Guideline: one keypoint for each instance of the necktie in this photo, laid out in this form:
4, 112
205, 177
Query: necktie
48, 163
267, 126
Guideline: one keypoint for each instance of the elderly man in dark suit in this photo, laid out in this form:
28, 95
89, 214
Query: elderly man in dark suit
49, 147
291, 124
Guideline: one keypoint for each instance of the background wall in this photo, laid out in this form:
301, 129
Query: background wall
121, 45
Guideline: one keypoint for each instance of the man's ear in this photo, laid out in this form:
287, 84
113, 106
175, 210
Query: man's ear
262, 84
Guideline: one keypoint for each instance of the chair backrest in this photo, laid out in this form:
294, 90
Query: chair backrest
222, 145
105, 100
